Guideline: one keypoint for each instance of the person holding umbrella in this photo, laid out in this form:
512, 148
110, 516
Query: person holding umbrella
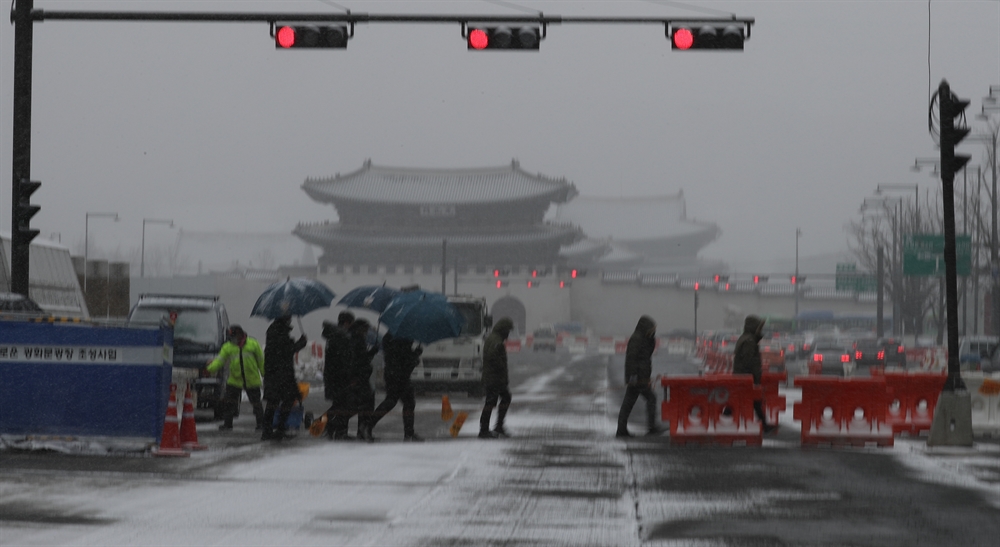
336, 374
280, 388
495, 380
400, 360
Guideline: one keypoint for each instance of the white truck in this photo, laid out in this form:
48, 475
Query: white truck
456, 364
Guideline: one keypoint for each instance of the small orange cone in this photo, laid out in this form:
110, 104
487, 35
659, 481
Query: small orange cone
446, 412
319, 425
459, 421
189, 432
170, 440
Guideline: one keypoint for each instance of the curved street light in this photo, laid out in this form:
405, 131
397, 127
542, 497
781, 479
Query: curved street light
86, 241
142, 258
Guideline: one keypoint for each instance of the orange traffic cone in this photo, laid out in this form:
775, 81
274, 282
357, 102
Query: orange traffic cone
459, 421
189, 432
170, 440
446, 412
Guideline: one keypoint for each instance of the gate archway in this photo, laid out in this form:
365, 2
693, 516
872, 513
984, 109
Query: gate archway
511, 307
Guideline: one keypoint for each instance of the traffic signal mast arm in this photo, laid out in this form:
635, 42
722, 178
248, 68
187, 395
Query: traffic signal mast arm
731, 31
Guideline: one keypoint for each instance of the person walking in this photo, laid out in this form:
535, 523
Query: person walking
336, 375
362, 396
246, 362
746, 360
400, 360
638, 372
280, 388
495, 379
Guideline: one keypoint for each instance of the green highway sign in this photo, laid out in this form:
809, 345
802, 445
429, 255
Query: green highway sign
923, 254
848, 278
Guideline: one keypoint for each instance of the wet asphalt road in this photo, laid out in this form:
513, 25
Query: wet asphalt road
564, 480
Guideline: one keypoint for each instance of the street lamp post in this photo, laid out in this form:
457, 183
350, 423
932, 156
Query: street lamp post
86, 241
992, 137
795, 319
142, 257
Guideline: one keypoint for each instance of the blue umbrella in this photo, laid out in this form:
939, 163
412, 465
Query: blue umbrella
422, 316
297, 297
370, 297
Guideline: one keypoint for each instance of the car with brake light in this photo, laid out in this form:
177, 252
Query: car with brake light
772, 355
895, 352
869, 352
830, 356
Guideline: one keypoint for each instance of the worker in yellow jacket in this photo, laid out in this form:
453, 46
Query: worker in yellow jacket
246, 367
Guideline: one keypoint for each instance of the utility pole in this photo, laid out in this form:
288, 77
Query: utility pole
21, 152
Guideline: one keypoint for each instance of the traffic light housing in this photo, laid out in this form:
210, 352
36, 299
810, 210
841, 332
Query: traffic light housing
951, 108
796, 279
707, 36
25, 210
758, 279
312, 36
526, 37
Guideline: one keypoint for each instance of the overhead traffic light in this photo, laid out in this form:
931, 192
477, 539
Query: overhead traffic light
24, 211
504, 37
796, 279
706, 36
720, 278
758, 279
311, 36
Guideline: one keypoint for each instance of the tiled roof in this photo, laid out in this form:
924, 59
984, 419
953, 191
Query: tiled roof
326, 233
380, 184
633, 219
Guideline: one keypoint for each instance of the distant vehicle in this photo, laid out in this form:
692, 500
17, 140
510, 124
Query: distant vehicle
869, 352
830, 356
895, 352
200, 328
543, 339
772, 355
975, 351
456, 364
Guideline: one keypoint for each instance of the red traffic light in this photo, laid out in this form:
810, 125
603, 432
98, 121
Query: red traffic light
285, 37
716, 278
534, 273
756, 279
573, 274
562, 284
496, 273
478, 39
499, 284
683, 38
697, 285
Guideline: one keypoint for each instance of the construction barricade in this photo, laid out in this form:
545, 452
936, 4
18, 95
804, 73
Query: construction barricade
774, 402
513, 345
715, 410
911, 399
606, 345
985, 394
843, 411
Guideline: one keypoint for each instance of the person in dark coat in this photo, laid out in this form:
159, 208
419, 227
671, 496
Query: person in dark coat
495, 380
360, 388
336, 374
400, 360
746, 360
280, 388
638, 372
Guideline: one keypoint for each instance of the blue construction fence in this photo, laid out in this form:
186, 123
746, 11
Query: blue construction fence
72, 379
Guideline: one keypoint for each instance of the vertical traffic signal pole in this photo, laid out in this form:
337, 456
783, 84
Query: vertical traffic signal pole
950, 108
952, 423
21, 151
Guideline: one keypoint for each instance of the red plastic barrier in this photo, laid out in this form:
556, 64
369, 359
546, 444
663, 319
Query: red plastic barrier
913, 397
621, 346
843, 411
774, 403
711, 410
513, 346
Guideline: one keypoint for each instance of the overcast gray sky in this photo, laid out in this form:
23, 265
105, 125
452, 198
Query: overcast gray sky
207, 124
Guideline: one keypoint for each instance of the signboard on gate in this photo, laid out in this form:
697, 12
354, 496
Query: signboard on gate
923, 254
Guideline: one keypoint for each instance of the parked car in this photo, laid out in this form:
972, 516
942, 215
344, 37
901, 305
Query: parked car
543, 339
200, 328
829, 356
